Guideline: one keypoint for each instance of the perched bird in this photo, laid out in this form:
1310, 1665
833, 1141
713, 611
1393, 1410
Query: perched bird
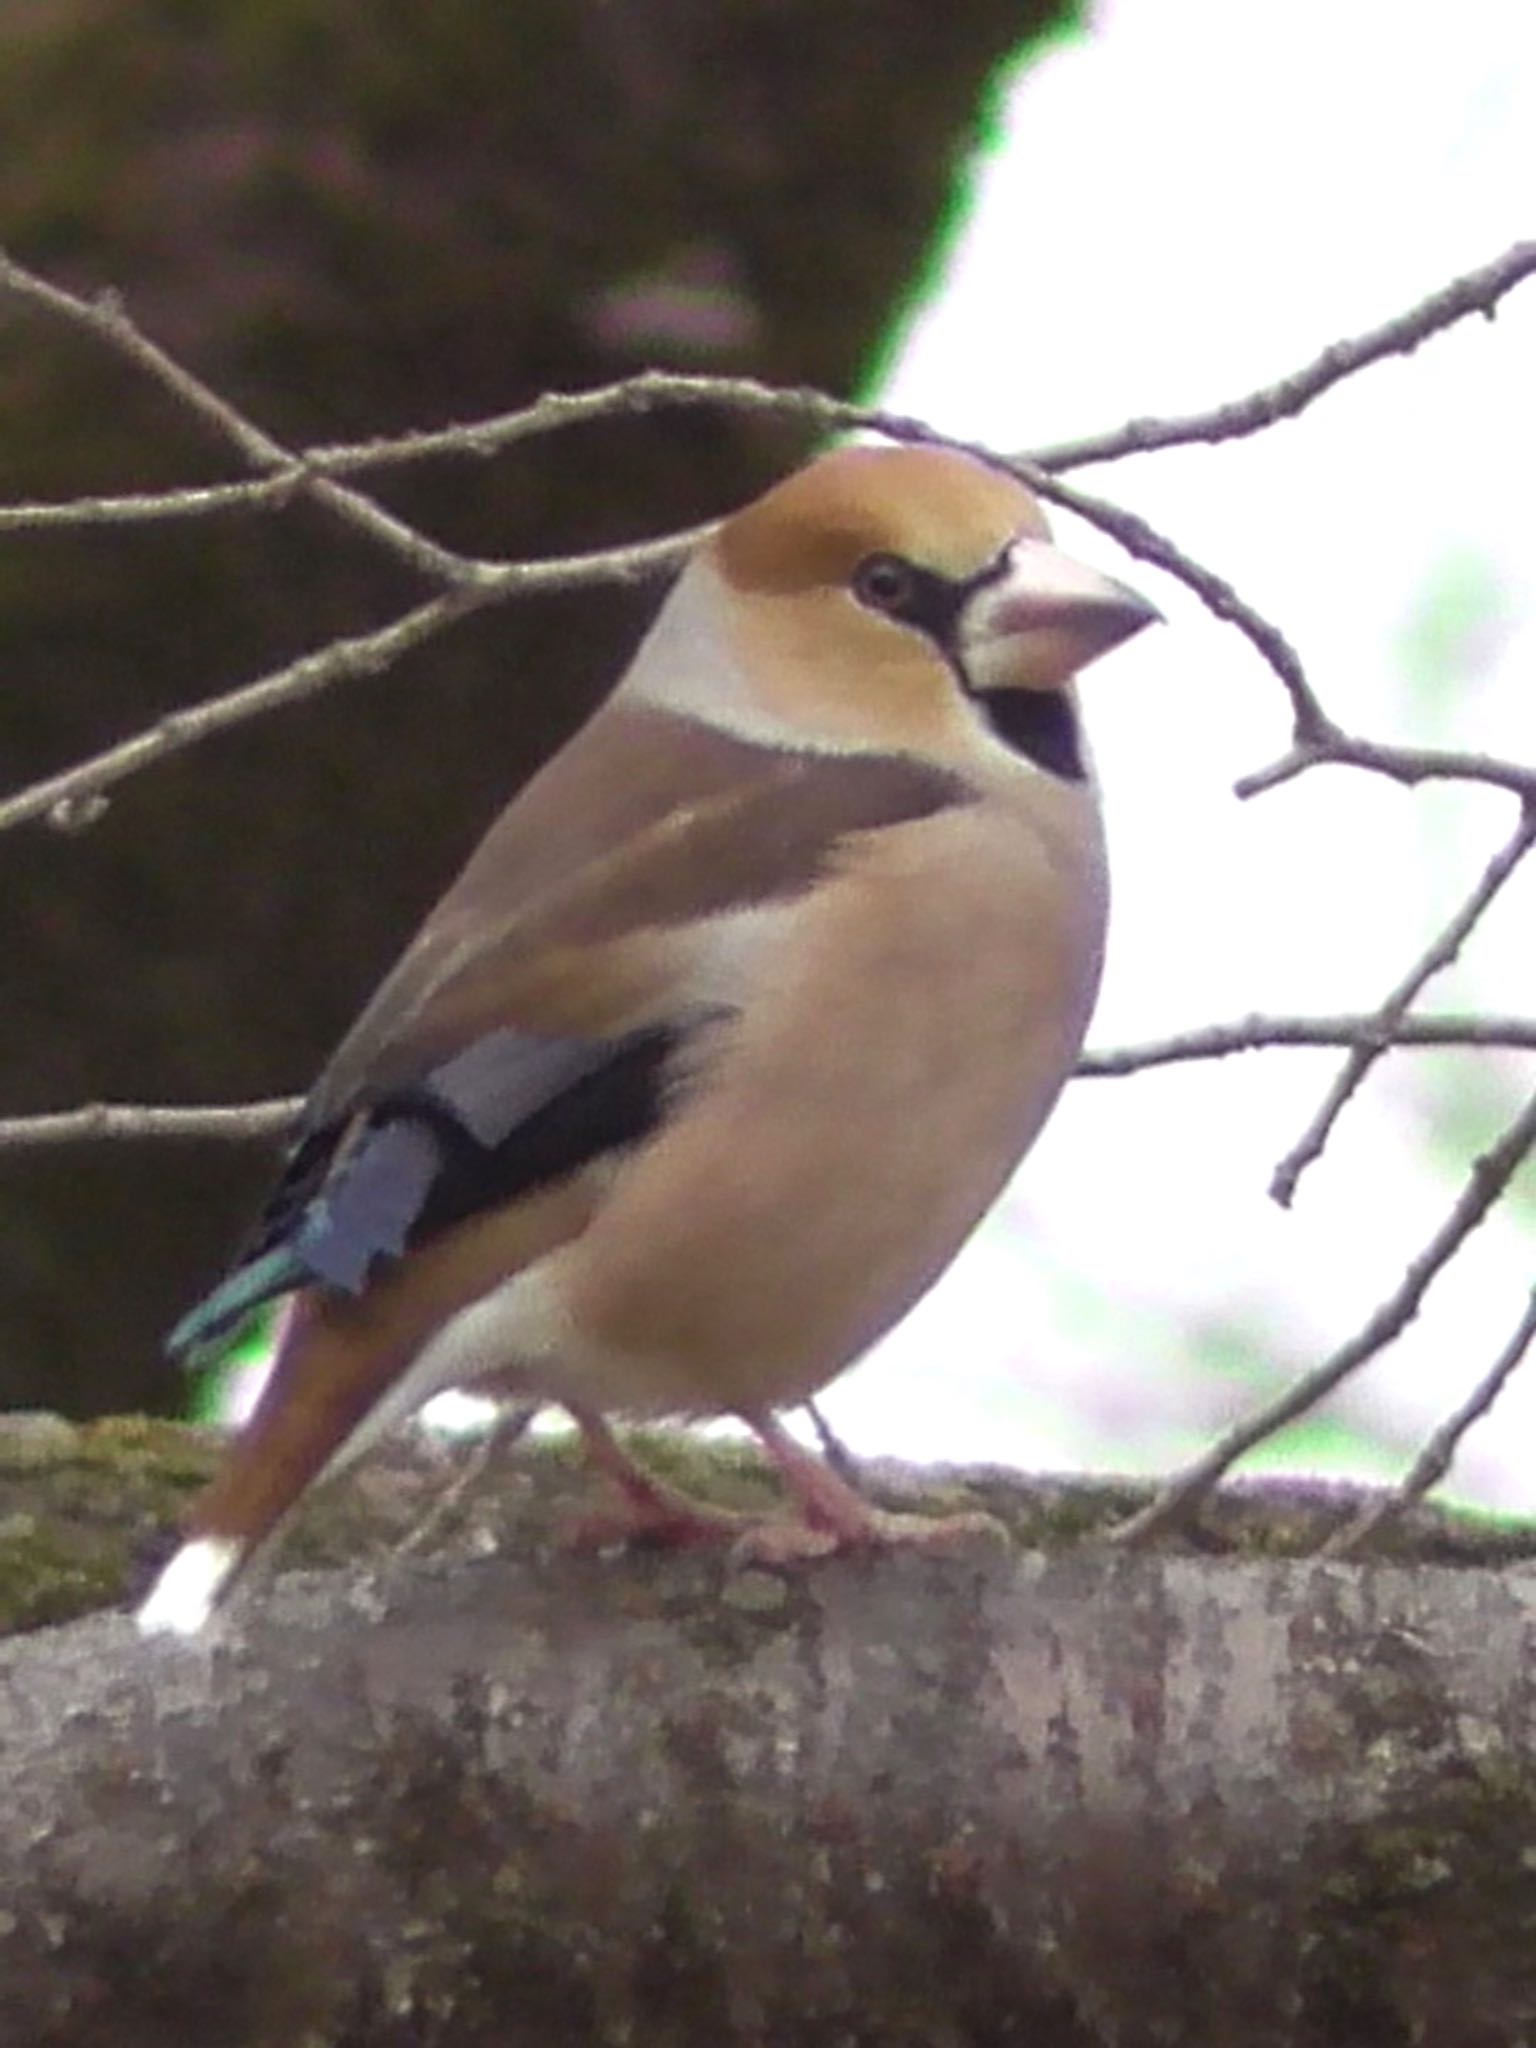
735, 1024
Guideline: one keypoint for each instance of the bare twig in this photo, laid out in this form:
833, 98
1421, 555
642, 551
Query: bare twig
92, 1121
105, 318
1260, 1034
361, 654
305, 469
1439, 954
313, 472
144, 508
1311, 726
507, 1430
1479, 291
833, 1449
1434, 1461
358, 655
288, 472
244, 1122
647, 391
1487, 1180
1409, 765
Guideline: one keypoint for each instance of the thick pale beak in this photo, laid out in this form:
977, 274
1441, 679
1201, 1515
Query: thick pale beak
1047, 617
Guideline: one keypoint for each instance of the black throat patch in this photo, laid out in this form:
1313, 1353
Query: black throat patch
1039, 724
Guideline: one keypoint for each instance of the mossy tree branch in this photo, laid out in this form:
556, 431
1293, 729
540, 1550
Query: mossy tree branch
1001, 1797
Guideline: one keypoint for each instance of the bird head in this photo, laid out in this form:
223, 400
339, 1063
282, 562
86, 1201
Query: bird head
905, 597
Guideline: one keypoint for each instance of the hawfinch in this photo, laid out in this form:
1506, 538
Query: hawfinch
735, 1024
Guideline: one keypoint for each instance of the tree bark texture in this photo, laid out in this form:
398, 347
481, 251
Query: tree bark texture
996, 1798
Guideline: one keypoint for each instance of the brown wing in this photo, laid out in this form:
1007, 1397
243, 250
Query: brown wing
530, 1027
646, 823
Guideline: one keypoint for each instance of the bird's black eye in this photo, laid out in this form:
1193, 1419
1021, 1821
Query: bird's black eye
912, 595
887, 583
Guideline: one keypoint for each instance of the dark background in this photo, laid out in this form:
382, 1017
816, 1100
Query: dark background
356, 218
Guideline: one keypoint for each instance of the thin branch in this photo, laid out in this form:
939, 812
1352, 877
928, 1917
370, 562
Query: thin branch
1259, 1034
313, 472
288, 472
304, 469
338, 661
237, 1121
144, 508
508, 1429
105, 318
57, 797
1434, 1461
833, 1449
1311, 725
1436, 956
647, 391
1489, 1176
1479, 291
242, 1122
1408, 765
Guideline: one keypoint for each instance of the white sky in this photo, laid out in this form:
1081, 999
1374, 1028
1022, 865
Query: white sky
1187, 203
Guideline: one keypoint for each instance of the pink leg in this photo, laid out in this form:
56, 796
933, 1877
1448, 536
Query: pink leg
653, 1512
833, 1516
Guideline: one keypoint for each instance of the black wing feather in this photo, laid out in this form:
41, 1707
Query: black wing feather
513, 1112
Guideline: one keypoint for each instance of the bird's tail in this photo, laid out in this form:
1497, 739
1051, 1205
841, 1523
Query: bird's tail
342, 1375
306, 1419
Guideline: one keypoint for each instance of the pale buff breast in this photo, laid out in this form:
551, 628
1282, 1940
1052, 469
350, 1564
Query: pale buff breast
832, 1171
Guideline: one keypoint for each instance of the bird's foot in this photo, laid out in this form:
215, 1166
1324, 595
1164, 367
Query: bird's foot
648, 1513
835, 1517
